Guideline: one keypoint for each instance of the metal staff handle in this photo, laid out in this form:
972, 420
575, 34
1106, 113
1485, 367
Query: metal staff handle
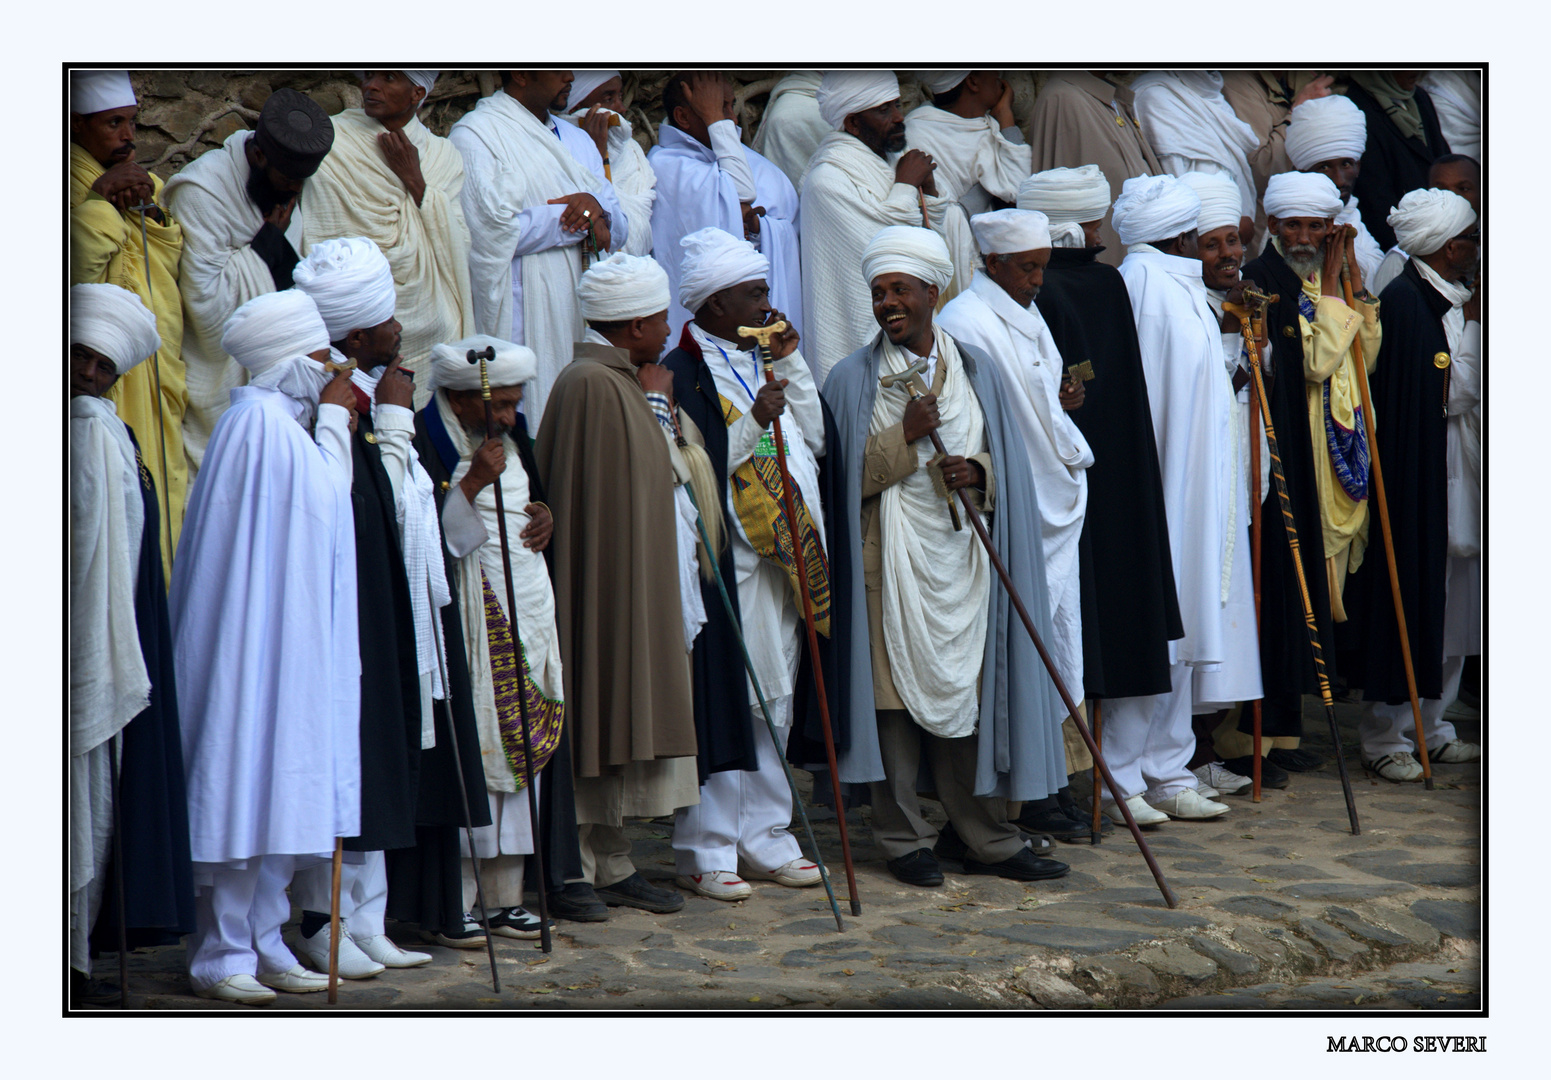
339, 859
914, 384
118, 873
1256, 300
762, 336
482, 357
156, 371
1389, 537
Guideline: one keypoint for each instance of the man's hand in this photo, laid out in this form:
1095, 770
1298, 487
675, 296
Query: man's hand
1230, 322
958, 472
1335, 257
540, 527
706, 96
339, 391
1073, 392
1001, 112
1317, 87
404, 160
124, 185
596, 124
396, 387
783, 344
921, 418
280, 215
751, 216
580, 209
770, 402
655, 379
485, 468
915, 168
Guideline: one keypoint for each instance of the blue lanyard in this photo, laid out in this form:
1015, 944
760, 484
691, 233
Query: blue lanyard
734, 370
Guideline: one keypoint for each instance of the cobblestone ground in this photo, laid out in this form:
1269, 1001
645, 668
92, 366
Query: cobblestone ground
1280, 907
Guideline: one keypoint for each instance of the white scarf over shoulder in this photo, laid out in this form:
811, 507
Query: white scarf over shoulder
970, 154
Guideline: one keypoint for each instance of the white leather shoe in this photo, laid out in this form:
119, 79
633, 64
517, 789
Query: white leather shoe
718, 885
243, 989
1399, 768
296, 981
1216, 779
1143, 813
386, 952
1455, 752
1189, 805
353, 963
797, 874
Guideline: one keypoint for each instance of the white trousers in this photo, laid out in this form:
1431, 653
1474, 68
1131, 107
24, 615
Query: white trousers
363, 893
237, 920
501, 878
1148, 741
740, 813
1391, 729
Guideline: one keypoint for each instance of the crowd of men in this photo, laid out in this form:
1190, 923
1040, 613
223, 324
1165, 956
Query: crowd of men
415, 478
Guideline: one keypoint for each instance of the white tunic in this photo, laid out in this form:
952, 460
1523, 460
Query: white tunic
976, 158
792, 126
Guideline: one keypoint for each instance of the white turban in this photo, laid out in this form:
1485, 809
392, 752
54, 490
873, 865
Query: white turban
842, 93
450, 368
423, 79
350, 281
114, 322
1003, 232
1155, 208
908, 249
1300, 194
714, 260
1065, 195
273, 328
1428, 218
940, 82
623, 287
1324, 128
585, 82
1068, 234
1221, 203
98, 91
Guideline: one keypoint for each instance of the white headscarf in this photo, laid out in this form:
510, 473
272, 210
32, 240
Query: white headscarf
585, 82
1004, 232
940, 82
1300, 194
450, 368
1066, 195
1220, 201
908, 249
114, 322
622, 287
351, 282
845, 92
714, 260
1428, 218
271, 336
1323, 128
98, 91
1155, 208
1068, 234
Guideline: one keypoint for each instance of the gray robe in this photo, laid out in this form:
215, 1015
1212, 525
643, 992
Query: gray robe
1021, 755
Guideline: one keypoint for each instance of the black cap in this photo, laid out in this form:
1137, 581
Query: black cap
294, 133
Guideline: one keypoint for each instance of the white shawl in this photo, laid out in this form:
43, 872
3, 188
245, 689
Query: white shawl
635, 183
792, 126
1457, 99
973, 156
1185, 117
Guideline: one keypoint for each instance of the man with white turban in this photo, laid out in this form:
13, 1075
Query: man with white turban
969, 131
951, 675
743, 814
1451, 172
269, 679
244, 225
1432, 478
854, 186
390, 180
539, 207
105, 246
1148, 741
707, 178
1404, 137
122, 686
1082, 118
1192, 128
1264, 100
623, 575
792, 126
1327, 135
597, 107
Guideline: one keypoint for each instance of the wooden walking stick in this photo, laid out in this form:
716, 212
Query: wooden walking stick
911, 379
118, 873
1098, 792
482, 357
762, 336
339, 859
156, 370
1252, 313
1254, 544
1389, 538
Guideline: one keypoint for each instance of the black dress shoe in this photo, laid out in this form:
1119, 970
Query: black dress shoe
635, 891
1024, 866
1272, 775
577, 902
918, 868
1057, 823
950, 845
1298, 760
87, 991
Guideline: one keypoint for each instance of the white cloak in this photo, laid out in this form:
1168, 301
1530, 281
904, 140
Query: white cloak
1192, 128
973, 156
792, 126
1457, 99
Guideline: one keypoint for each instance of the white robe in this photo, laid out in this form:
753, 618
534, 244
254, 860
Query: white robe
1019, 341
976, 159
1205, 486
695, 192
1457, 99
1369, 255
848, 195
792, 126
634, 180
523, 266
264, 618
1192, 128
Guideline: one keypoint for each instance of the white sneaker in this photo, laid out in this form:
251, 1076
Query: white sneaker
383, 950
1400, 768
797, 874
1217, 779
353, 963
243, 989
472, 936
1189, 805
296, 981
718, 885
1140, 810
1455, 752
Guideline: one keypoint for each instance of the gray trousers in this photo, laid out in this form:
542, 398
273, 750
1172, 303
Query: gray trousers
897, 825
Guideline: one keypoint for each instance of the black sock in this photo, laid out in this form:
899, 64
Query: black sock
312, 922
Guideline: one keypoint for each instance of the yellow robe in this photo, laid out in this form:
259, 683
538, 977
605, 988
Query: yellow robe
105, 247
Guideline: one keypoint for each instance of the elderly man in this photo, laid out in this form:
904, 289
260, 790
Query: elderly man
792, 126
244, 226
850, 192
390, 180
122, 687
1403, 139
1451, 172
707, 178
268, 679
597, 107
1264, 100
106, 187
540, 207
1148, 742
1431, 354
625, 629
1192, 128
1326, 135
935, 619
969, 131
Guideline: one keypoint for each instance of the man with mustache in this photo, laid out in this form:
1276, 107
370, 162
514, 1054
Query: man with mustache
1451, 172
105, 247
1329, 135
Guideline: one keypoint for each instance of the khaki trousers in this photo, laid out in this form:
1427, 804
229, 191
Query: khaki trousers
605, 854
